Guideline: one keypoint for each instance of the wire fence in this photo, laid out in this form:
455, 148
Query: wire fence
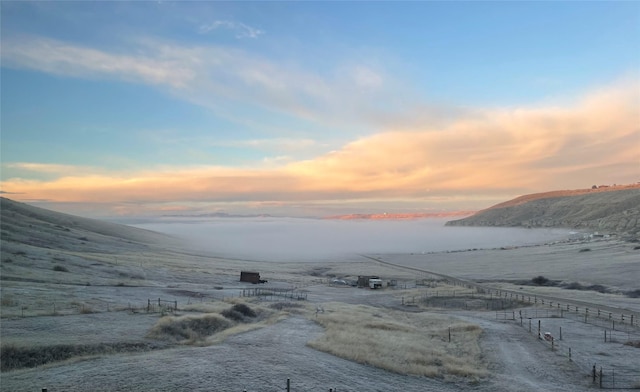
604, 375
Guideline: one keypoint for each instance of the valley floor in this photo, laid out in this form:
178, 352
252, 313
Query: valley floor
262, 359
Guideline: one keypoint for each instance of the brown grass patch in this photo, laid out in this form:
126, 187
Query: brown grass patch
405, 343
13, 357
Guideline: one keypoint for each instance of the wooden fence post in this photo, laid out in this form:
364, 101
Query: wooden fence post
600, 376
288, 385
594, 374
569, 354
560, 333
539, 327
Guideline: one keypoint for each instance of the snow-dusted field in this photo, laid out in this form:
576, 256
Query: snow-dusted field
92, 303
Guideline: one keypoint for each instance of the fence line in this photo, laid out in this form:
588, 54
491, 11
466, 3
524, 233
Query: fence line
611, 377
274, 293
16, 310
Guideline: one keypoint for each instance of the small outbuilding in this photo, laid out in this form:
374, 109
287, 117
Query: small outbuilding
251, 277
365, 280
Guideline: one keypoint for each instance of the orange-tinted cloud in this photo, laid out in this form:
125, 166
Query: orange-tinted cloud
596, 140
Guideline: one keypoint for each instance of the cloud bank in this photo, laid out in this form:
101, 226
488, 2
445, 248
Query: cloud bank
595, 140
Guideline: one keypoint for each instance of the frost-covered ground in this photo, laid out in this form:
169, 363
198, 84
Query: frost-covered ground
41, 306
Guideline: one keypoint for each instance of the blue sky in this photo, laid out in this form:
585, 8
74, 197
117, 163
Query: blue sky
291, 107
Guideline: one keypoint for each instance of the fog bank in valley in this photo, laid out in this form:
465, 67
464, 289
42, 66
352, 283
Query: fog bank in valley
294, 239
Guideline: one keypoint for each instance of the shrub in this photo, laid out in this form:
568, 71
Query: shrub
14, 357
244, 310
540, 280
86, 310
574, 286
238, 312
598, 287
285, 305
189, 328
633, 293
60, 268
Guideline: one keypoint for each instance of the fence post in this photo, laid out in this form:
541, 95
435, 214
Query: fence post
560, 333
594, 375
569, 354
176, 305
600, 377
449, 334
539, 328
288, 385
148, 305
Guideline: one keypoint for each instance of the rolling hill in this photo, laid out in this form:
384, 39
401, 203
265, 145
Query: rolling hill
606, 209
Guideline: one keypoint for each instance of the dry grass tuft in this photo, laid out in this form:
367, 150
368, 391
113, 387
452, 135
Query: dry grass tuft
13, 357
60, 268
286, 305
405, 343
189, 328
239, 312
219, 322
633, 343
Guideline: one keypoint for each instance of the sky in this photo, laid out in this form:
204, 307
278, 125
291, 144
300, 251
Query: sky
314, 108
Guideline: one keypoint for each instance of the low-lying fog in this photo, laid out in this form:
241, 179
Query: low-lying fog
295, 239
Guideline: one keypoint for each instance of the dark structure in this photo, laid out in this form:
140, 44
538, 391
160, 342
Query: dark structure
363, 280
251, 277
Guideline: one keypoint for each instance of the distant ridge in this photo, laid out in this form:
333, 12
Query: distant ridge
401, 216
614, 209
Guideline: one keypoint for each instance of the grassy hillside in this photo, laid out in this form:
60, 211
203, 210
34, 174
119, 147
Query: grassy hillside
614, 209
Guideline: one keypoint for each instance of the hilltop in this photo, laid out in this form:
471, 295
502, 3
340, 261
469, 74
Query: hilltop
37, 227
614, 209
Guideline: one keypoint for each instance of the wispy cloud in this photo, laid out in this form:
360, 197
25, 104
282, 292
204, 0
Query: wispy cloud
241, 30
60, 58
218, 77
